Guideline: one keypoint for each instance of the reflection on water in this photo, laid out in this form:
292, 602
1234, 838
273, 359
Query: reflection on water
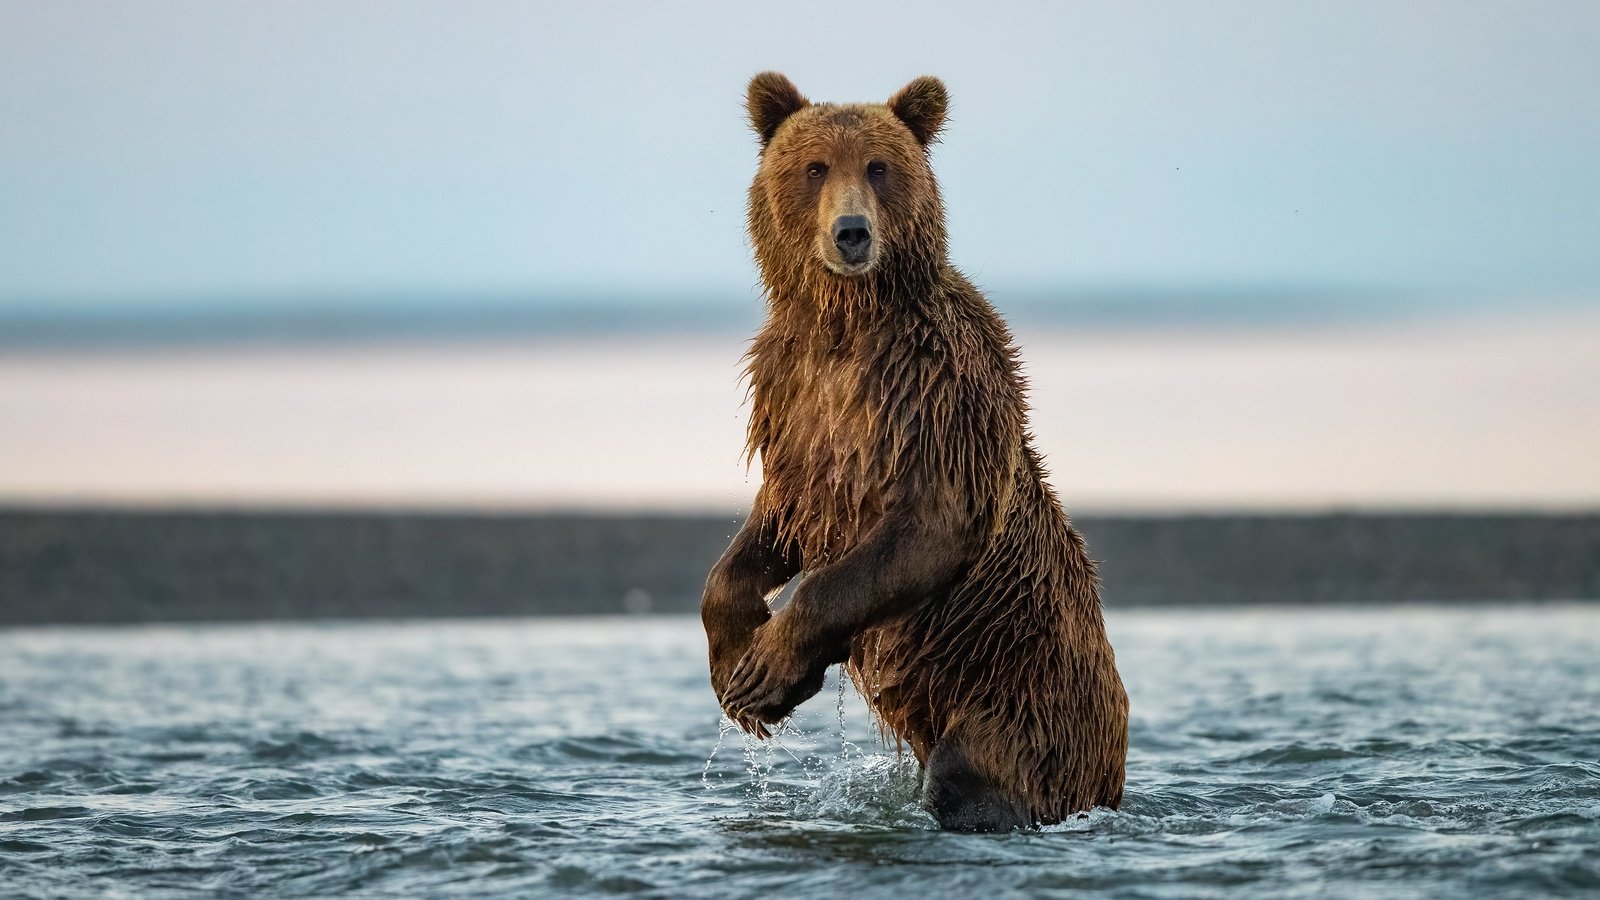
1355, 751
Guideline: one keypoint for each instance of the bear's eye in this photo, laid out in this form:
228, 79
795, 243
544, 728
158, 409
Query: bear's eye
816, 170
877, 170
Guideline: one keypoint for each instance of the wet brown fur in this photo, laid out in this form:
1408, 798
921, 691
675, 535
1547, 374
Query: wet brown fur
900, 478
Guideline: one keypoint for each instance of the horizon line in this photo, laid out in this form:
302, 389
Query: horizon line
359, 317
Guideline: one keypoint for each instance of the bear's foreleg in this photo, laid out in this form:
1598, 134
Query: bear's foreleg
909, 556
734, 603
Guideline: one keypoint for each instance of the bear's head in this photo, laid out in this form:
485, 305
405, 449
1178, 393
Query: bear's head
844, 190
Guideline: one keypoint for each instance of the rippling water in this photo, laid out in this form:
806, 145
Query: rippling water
1419, 751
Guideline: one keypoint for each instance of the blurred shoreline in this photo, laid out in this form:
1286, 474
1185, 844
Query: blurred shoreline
1494, 412
130, 565
201, 323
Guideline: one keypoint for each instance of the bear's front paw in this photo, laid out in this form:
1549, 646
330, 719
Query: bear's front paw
770, 680
725, 655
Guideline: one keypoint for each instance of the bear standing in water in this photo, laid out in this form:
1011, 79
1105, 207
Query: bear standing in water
900, 478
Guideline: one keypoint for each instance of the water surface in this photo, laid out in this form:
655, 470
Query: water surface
1437, 751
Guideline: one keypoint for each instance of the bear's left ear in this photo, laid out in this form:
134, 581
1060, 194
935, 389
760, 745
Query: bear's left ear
921, 105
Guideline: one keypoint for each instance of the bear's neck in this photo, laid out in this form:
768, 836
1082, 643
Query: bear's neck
810, 295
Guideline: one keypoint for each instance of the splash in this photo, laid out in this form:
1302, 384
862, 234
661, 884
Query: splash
725, 726
845, 745
821, 773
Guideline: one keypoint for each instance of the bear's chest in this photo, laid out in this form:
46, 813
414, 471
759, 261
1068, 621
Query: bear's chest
824, 461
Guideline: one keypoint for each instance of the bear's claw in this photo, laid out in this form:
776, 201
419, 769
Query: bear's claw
757, 691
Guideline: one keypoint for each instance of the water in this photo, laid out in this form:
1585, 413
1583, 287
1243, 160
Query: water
1372, 752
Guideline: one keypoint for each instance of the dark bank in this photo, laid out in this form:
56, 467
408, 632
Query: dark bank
123, 566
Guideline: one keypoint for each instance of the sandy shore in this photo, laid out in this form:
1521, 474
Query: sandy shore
1482, 413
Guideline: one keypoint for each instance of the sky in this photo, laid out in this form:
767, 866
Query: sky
191, 154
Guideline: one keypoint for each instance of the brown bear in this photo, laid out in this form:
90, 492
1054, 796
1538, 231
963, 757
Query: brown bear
900, 479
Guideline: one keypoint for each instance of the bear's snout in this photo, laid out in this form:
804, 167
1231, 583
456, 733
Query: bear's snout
853, 236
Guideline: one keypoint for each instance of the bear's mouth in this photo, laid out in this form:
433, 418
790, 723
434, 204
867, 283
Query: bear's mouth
847, 269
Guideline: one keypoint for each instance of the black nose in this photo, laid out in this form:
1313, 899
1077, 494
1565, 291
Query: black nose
853, 238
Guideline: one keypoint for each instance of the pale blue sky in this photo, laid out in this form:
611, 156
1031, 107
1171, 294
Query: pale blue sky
185, 152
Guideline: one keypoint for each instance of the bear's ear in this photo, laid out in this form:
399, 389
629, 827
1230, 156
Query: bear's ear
921, 105
770, 99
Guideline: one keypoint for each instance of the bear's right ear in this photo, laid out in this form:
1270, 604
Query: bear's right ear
770, 99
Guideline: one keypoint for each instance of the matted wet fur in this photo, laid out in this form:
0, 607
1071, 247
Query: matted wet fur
900, 478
